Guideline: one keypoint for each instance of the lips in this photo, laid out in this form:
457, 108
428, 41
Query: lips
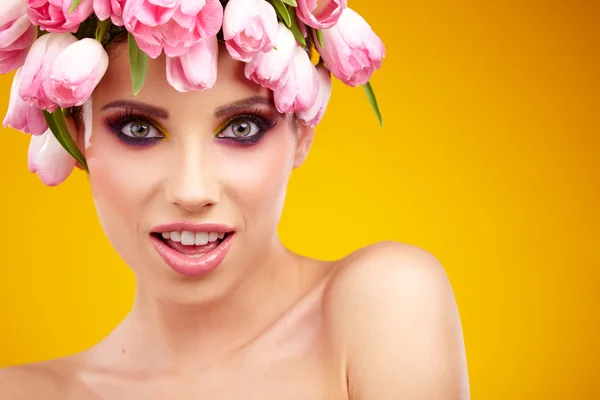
192, 259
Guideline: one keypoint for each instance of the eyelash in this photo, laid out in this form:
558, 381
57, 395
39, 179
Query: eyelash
117, 122
255, 116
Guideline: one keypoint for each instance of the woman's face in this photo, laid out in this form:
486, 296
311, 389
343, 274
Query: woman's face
164, 159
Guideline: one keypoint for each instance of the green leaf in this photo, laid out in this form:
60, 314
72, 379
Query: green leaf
320, 37
291, 3
283, 12
56, 123
101, 29
74, 4
138, 65
51, 124
373, 101
296, 31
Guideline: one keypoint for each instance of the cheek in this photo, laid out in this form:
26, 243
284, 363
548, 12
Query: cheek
256, 178
121, 180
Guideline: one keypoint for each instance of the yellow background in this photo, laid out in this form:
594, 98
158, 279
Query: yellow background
489, 160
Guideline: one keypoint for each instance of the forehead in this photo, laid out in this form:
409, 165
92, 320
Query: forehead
231, 83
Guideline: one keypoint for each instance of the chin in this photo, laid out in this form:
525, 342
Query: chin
158, 281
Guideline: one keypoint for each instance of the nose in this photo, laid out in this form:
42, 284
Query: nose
192, 183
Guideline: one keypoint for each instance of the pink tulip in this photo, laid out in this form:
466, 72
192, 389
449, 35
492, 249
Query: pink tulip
352, 51
196, 70
16, 35
35, 144
49, 159
77, 71
113, 9
320, 14
11, 10
312, 115
36, 86
249, 27
54, 16
172, 25
24, 41
21, 115
270, 69
302, 86
12, 60
14, 23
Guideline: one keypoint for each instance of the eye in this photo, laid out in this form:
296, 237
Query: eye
242, 127
141, 129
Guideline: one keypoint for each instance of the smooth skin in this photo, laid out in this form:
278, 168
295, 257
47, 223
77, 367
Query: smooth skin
381, 323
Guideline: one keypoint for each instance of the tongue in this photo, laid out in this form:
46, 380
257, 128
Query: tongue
192, 249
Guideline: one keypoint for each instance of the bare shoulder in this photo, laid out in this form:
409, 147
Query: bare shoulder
34, 381
388, 269
392, 308
389, 258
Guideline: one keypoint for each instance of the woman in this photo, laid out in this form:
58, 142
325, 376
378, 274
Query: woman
189, 178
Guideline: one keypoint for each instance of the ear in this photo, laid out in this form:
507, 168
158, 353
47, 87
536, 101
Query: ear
305, 139
76, 130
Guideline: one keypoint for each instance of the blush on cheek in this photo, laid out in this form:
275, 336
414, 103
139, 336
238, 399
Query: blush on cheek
110, 207
257, 177
122, 182
124, 186
112, 201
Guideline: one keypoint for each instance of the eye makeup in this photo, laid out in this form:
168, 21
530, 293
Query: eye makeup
138, 129
122, 119
254, 119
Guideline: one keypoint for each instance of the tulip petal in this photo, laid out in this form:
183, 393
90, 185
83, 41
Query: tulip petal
195, 70
11, 60
49, 159
11, 10
77, 71
171, 25
36, 85
313, 115
13, 31
352, 51
56, 15
21, 115
271, 69
302, 86
35, 144
320, 15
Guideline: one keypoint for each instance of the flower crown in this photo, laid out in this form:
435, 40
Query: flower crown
58, 49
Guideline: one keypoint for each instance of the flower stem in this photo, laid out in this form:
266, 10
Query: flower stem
101, 29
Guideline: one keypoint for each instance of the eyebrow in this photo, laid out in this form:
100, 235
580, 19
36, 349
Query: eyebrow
157, 112
242, 104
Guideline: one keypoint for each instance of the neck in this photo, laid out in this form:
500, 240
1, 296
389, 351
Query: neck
165, 334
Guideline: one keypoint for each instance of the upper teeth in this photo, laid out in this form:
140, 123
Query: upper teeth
190, 238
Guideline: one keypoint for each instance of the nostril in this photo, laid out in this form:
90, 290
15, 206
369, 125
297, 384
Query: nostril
192, 196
